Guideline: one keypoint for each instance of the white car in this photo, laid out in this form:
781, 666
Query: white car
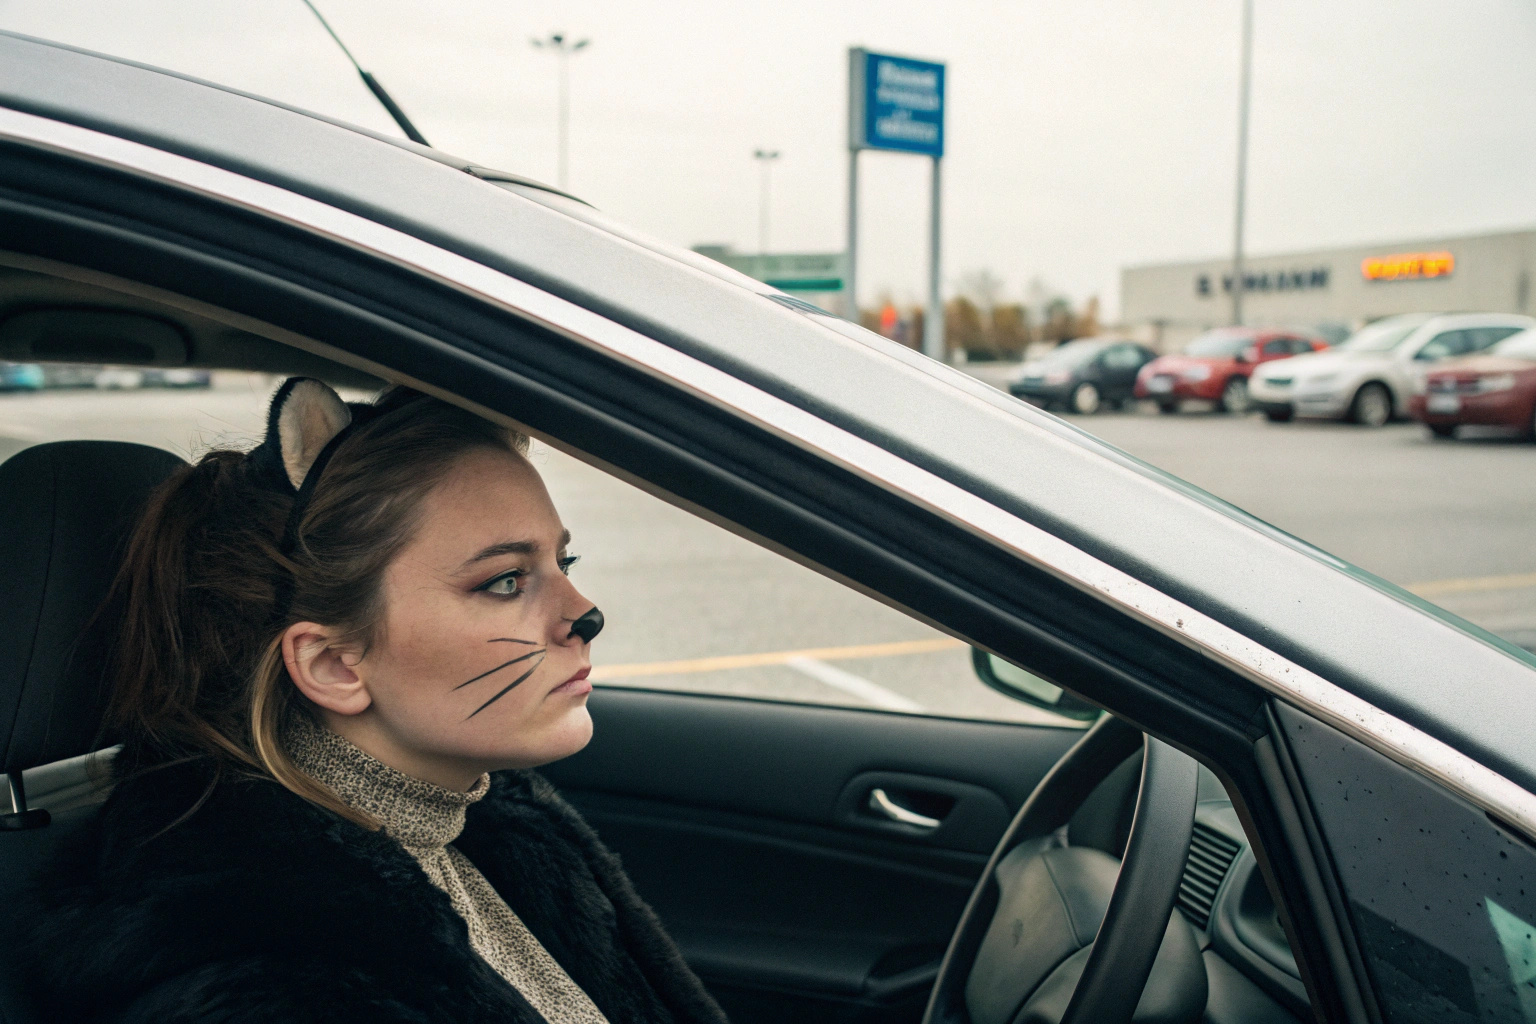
117, 378
1370, 378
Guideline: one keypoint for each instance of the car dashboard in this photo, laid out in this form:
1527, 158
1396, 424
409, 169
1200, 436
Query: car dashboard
1251, 973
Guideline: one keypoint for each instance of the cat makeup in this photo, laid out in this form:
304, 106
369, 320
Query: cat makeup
482, 657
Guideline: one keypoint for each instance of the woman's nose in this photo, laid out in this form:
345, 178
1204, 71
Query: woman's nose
587, 625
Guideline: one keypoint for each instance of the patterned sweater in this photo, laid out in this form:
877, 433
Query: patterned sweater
425, 819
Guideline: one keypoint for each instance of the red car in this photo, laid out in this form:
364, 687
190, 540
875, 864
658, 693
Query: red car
1494, 388
1216, 365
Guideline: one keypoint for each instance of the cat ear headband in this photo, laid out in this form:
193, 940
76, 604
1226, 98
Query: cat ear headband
306, 423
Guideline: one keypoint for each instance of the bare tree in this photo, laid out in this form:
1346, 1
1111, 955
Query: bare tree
963, 326
1010, 329
982, 287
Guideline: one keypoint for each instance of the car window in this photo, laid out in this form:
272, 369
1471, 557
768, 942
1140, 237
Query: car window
1520, 346
1382, 336
1122, 357
1277, 347
1223, 343
1300, 345
1073, 353
1443, 897
689, 606
1487, 337
1446, 344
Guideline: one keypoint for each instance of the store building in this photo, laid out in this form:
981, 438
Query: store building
1332, 290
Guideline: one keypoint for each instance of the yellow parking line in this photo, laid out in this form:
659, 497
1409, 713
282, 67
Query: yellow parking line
1473, 584
1432, 588
729, 661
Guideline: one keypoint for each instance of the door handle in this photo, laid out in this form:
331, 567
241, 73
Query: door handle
881, 803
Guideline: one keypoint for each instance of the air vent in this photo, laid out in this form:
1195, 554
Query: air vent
1210, 857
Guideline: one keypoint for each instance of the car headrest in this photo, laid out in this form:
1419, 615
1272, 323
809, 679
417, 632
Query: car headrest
66, 510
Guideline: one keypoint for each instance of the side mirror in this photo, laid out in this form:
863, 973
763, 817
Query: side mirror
1247, 355
1011, 681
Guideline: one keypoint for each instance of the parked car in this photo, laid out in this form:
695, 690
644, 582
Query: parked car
1358, 848
118, 378
1371, 377
177, 377
20, 376
1216, 365
70, 375
1082, 375
1495, 388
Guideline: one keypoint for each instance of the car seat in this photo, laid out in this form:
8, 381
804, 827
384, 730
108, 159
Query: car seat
66, 509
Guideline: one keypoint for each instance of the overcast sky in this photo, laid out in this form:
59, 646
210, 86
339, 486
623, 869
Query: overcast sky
1082, 137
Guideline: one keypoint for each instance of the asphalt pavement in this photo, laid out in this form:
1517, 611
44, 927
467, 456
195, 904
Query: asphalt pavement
1452, 520
692, 606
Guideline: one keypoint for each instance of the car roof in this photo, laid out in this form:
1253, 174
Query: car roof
1443, 320
1021, 460
431, 153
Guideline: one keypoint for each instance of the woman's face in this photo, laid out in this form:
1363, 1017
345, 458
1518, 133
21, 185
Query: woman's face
475, 667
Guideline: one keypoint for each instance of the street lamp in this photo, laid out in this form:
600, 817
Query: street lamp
563, 48
765, 159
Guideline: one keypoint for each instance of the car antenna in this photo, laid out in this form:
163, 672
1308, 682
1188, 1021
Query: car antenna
373, 84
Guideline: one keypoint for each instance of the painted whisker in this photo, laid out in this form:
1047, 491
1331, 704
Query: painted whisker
511, 640
507, 689
498, 668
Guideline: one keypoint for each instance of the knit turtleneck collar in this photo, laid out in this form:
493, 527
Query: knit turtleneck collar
418, 815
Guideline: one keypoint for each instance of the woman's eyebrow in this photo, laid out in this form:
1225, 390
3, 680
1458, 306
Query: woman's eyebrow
510, 547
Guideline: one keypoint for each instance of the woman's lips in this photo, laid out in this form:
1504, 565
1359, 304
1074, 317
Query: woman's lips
577, 684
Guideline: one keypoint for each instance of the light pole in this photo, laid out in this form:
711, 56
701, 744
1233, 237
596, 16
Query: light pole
1242, 162
765, 159
563, 48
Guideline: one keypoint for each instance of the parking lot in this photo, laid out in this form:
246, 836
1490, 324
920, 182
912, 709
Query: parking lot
690, 606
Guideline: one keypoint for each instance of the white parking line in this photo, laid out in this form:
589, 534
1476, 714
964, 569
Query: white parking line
858, 686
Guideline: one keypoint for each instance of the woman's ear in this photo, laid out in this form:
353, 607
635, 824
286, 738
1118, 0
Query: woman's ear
323, 670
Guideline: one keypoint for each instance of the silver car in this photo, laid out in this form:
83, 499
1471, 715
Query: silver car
1370, 378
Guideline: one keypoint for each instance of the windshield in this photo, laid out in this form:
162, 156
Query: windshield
1073, 353
1380, 337
1517, 346
1218, 344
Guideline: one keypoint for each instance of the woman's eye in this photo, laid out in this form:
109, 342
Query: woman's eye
567, 562
505, 585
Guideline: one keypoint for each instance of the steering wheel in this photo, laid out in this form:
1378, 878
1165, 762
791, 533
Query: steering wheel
1030, 946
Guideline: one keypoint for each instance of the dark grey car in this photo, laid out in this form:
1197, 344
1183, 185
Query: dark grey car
1356, 844
1082, 375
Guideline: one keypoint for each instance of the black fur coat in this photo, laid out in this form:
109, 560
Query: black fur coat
262, 907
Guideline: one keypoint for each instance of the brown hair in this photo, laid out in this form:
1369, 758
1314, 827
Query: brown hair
205, 591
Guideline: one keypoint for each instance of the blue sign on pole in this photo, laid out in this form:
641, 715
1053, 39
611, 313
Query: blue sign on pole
896, 103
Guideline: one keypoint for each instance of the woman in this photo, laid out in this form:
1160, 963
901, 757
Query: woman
337, 657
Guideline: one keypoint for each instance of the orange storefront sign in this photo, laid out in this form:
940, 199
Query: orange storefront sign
1408, 266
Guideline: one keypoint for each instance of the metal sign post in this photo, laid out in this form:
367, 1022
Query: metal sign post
1239, 275
897, 104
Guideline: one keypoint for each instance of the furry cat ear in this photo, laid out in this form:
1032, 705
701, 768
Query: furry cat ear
305, 416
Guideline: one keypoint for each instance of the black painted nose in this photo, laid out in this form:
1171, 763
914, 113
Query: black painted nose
588, 625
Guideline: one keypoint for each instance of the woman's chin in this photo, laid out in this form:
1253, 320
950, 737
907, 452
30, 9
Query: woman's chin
566, 735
